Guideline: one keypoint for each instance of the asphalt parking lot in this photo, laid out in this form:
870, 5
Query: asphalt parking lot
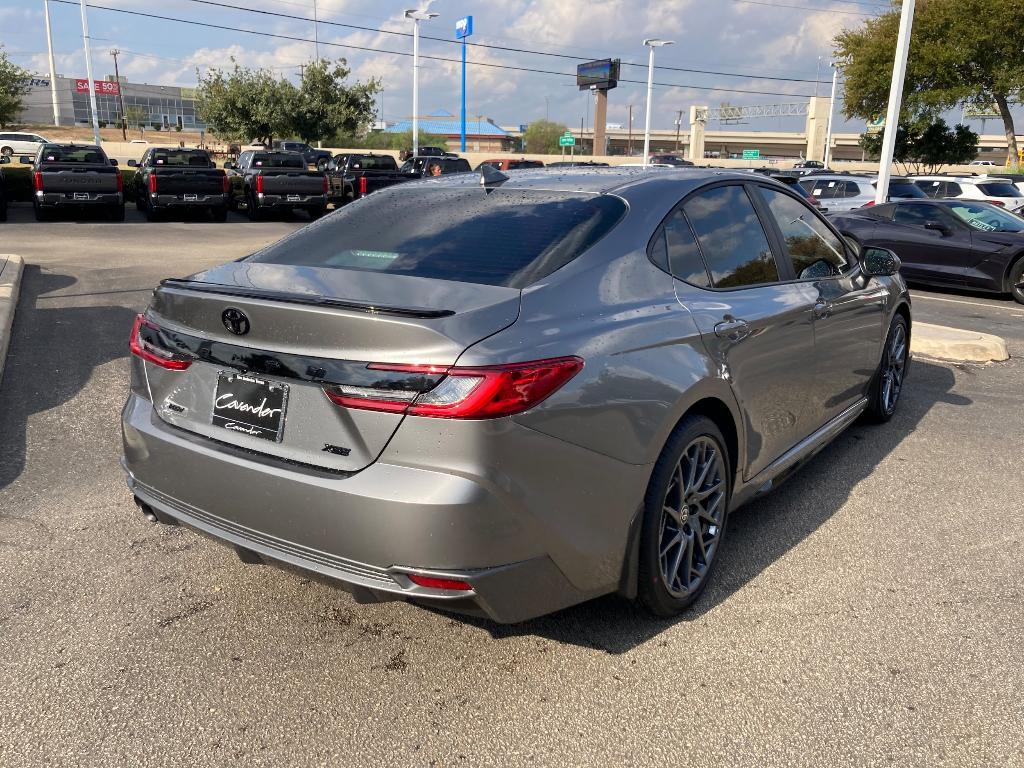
869, 612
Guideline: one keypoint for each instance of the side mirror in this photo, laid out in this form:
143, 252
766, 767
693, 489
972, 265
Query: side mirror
133, 164
27, 159
939, 227
879, 262
229, 166
113, 161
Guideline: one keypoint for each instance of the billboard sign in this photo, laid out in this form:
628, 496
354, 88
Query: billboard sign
464, 27
602, 74
103, 87
875, 125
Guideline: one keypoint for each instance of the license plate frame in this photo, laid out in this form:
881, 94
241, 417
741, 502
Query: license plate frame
80, 196
242, 411
293, 198
191, 197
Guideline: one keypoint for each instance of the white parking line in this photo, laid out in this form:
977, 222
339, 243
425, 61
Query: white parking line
918, 297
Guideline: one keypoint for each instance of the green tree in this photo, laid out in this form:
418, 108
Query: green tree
382, 140
960, 51
924, 146
246, 104
325, 105
13, 85
135, 116
541, 137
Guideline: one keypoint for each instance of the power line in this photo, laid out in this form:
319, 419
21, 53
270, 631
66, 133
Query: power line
294, 38
491, 46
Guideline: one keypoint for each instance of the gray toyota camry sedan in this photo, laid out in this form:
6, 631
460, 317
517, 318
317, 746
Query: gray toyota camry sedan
509, 393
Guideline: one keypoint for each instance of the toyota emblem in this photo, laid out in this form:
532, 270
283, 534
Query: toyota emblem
235, 321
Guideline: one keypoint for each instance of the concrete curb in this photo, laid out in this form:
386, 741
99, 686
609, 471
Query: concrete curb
957, 345
11, 267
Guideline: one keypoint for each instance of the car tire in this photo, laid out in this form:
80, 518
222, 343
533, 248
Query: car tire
887, 383
116, 212
1017, 281
685, 512
220, 214
252, 210
6, 151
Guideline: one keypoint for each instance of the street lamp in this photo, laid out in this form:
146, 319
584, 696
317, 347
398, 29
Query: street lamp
831, 110
417, 15
651, 43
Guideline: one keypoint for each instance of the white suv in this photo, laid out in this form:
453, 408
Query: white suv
991, 189
845, 192
21, 143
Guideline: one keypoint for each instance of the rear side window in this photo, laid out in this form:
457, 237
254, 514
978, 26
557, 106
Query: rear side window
176, 158
998, 189
814, 250
731, 238
931, 188
848, 189
266, 160
374, 163
951, 189
57, 154
684, 259
914, 215
506, 237
905, 189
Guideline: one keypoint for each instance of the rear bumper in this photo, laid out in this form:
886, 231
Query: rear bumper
179, 201
528, 545
282, 201
65, 199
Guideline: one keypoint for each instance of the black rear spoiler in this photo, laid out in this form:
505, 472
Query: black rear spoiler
304, 298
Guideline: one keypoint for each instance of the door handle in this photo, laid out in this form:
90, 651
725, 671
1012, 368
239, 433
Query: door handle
732, 329
822, 309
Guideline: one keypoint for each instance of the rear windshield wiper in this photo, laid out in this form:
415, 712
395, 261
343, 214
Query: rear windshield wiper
304, 298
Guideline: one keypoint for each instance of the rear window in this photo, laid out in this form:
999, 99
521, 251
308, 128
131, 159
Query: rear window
58, 154
182, 158
510, 238
905, 189
374, 163
262, 160
999, 189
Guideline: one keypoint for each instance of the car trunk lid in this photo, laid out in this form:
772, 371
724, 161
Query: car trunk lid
290, 331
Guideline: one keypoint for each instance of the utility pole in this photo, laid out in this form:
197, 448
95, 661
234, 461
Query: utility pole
892, 115
316, 33
650, 43
88, 74
120, 95
53, 69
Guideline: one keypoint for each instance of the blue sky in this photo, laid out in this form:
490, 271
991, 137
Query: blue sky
758, 41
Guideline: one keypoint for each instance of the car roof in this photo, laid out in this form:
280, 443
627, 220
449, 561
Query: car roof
599, 180
960, 178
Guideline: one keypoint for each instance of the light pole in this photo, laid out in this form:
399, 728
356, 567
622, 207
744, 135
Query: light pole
831, 109
463, 29
316, 33
651, 43
88, 74
53, 69
417, 15
892, 115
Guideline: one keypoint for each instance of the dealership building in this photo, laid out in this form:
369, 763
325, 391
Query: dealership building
167, 106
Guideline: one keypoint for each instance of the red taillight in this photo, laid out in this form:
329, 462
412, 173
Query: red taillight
327, 185
149, 351
868, 204
37, 181
435, 583
362, 185
259, 185
152, 183
465, 393
1000, 203
225, 184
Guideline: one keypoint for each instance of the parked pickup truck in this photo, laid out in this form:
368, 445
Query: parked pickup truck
318, 158
179, 179
77, 176
355, 176
267, 180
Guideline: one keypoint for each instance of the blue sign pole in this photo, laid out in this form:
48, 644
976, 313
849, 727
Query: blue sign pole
463, 29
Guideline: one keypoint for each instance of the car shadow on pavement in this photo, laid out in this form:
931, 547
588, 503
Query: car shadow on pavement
53, 353
759, 533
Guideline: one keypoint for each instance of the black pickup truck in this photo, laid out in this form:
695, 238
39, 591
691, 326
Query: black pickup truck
179, 179
4, 159
266, 180
357, 175
77, 176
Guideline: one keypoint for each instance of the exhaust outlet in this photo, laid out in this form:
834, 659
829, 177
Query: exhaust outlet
151, 515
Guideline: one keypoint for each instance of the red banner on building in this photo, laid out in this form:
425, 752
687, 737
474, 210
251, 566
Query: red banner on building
102, 87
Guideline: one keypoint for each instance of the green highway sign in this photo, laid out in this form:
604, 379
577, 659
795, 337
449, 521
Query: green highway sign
567, 140
751, 154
